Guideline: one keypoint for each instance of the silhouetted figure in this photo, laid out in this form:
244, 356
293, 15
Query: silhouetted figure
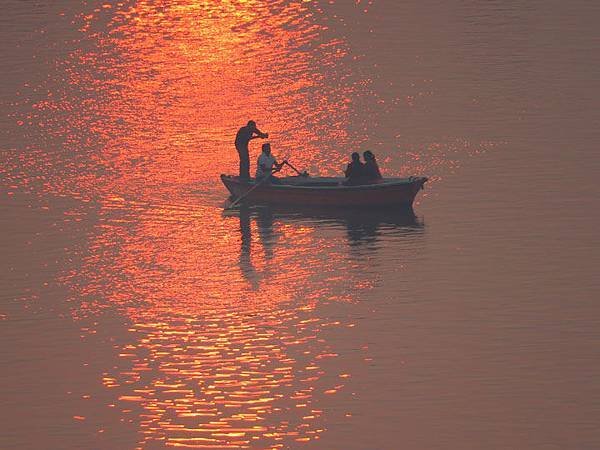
266, 234
355, 170
368, 231
371, 169
361, 228
242, 138
245, 262
265, 165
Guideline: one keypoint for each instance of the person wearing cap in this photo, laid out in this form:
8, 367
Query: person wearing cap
242, 138
265, 165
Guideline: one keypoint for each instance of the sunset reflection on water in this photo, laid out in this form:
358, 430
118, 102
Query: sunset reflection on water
225, 346
225, 350
135, 312
156, 91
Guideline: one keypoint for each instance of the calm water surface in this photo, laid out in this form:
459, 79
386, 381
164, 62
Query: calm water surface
135, 313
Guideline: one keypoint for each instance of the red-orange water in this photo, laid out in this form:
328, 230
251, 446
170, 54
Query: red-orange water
137, 313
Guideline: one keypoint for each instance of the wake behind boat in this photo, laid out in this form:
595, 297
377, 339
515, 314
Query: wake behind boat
326, 191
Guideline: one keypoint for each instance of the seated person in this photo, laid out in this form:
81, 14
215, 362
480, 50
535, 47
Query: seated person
265, 164
355, 171
371, 169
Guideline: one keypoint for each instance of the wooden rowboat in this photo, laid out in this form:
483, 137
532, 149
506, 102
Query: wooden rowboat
328, 192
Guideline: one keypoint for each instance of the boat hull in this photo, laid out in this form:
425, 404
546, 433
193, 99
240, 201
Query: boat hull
294, 191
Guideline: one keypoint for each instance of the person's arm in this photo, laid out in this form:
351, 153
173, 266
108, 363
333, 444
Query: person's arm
277, 165
259, 134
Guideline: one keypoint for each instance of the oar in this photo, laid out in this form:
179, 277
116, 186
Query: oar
302, 174
243, 196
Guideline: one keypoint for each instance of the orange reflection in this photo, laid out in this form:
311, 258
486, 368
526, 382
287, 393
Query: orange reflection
213, 361
225, 348
161, 88
216, 363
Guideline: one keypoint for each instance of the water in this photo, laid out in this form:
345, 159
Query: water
137, 313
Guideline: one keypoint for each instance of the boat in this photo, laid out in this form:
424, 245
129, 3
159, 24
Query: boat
308, 191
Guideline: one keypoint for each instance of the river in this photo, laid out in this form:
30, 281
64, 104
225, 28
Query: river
136, 313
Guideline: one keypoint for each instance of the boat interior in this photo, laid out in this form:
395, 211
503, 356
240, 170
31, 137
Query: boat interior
308, 181
312, 181
333, 181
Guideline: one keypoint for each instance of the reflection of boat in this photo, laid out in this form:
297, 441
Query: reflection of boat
330, 192
361, 226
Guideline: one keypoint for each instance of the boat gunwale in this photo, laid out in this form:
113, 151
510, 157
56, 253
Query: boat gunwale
372, 186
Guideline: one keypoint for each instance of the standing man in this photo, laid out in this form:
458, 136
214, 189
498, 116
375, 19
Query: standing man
242, 138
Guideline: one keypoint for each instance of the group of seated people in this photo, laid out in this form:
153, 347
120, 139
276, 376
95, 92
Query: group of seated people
358, 172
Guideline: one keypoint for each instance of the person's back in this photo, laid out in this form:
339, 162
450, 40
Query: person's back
371, 169
243, 135
354, 170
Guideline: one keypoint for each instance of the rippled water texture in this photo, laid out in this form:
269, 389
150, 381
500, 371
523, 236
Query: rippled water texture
135, 312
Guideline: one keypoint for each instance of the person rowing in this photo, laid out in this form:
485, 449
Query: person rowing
242, 139
266, 164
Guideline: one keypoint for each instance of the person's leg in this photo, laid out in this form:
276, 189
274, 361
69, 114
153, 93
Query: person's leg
244, 163
245, 168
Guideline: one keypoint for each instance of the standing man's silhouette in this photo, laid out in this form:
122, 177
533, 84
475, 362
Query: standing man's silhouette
242, 138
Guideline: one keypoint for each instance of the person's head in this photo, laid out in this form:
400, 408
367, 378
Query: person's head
369, 156
266, 148
355, 157
251, 124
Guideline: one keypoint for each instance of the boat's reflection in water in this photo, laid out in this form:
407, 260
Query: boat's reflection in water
363, 229
264, 219
233, 317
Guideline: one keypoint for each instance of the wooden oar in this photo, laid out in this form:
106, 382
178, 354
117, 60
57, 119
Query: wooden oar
245, 194
302, 174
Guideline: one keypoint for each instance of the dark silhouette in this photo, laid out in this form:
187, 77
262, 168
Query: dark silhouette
371, 169
266, 235
242, 138
246, 266
265, 164
364, 231
355, 171
367, 229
